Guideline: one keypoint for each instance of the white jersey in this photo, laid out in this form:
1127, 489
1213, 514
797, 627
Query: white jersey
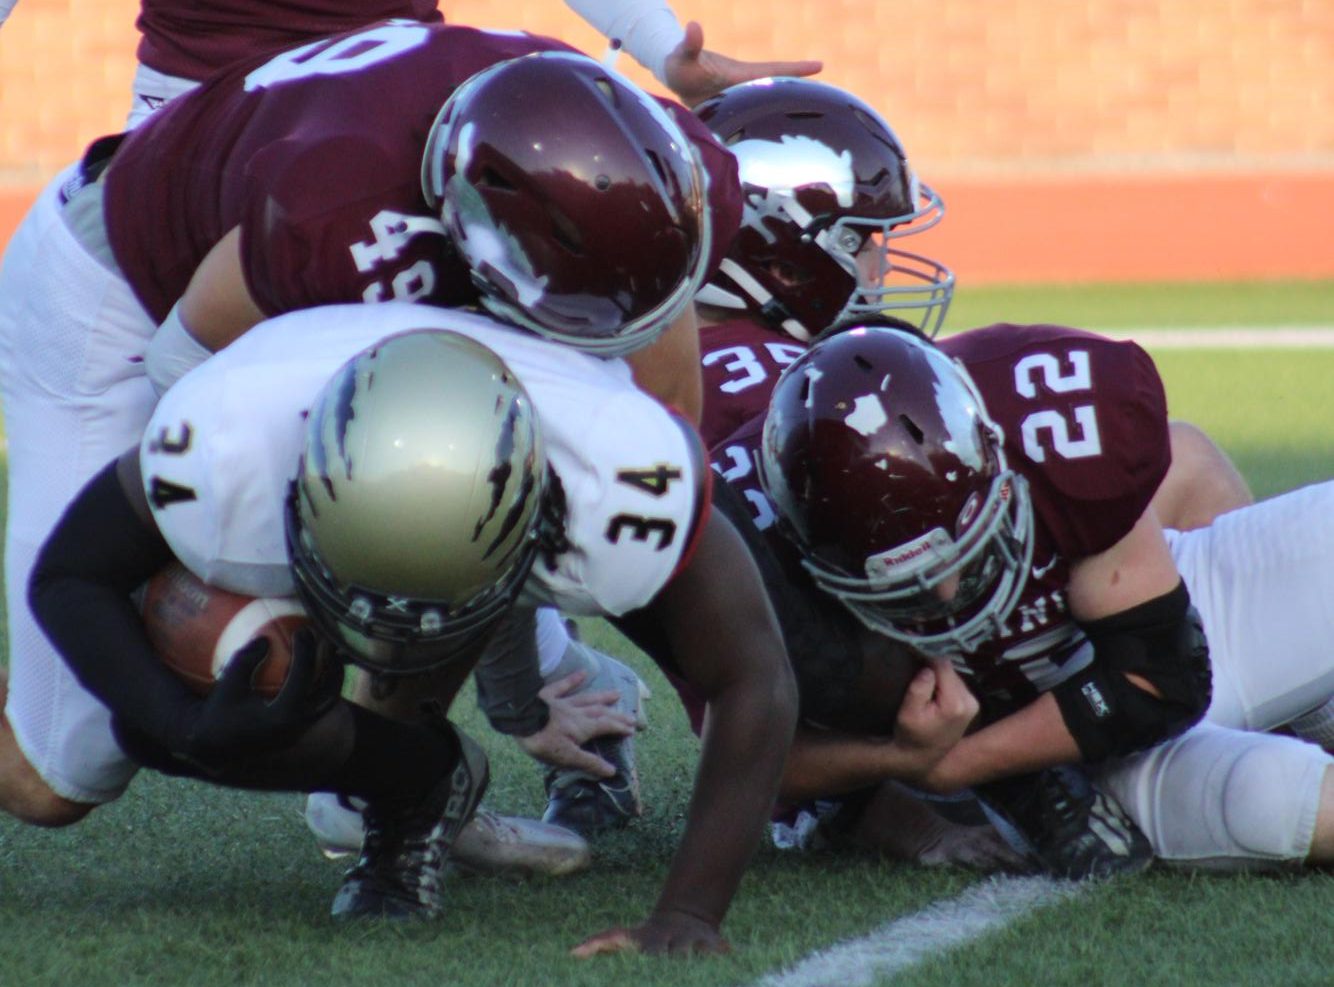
224, 442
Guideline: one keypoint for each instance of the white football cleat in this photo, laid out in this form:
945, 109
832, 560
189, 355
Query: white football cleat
490, 843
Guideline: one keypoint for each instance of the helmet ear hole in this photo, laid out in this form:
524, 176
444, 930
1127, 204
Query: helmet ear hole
565, 231
493, 179
656, 162
913, 429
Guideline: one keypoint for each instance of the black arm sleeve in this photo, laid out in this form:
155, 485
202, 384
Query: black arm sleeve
80, 593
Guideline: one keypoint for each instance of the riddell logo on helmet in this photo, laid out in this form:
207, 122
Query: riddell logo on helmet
930, 544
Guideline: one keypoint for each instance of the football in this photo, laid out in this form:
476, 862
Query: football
196, 628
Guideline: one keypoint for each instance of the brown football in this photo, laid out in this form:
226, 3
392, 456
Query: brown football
196, 628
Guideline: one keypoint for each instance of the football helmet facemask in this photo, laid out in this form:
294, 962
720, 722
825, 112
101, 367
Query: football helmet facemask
415, 513
827, 189
890, 478
576, 200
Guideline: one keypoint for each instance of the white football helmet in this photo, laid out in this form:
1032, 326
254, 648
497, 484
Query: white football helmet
414, 517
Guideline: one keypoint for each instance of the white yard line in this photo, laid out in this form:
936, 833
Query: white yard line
1230, 337
905, 942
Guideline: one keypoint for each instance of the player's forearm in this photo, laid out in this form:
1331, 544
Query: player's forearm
669, 367
80, 594
746, 734
647, 29
1033, 738
822, 764
725, 639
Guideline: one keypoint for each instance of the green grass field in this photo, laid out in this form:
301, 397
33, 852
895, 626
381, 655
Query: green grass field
179, 883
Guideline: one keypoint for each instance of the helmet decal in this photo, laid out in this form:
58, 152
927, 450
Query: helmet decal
868, 415
770, 165
499, 477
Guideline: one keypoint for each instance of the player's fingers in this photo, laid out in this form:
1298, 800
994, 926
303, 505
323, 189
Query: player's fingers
235, 679
952, 691
693, 42
301, 669
611, 941
588, 762
606, 698
563, 686
922, 686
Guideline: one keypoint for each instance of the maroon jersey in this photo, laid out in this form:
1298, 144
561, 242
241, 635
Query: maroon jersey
1085, 423
316, 155
742, 360
193, 40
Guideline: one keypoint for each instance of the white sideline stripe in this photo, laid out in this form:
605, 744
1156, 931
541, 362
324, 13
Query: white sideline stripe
905, 942
1232, 337
1224, 337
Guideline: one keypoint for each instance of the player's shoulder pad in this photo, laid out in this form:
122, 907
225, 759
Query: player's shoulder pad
1084, 418
636, 486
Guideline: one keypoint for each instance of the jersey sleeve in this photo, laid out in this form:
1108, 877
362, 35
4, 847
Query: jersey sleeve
301, 247
724, 183
215, 486
1085, 421
741, 363
635, 496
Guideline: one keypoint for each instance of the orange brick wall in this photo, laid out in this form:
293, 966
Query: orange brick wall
1120, 105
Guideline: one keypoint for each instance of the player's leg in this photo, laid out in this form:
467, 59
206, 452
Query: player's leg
1262, 579
1322, 844
71, 342
490, 843
1221, 798
577, 800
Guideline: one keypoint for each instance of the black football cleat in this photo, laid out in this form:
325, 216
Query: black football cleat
1066, 825
402, 860
589, 805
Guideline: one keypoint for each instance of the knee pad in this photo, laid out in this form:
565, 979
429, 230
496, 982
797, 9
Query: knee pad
1271, 794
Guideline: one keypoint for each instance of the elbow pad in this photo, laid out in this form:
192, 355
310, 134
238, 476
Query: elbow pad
1163, 642
172, 352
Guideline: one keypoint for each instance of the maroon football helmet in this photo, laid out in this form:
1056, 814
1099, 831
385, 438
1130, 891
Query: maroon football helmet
824, 180
576, 200
887, 473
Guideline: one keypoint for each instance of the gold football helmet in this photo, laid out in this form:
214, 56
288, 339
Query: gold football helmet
414, 516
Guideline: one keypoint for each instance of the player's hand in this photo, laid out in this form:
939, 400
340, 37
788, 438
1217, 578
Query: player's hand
233, 722
574, 718
695, 74
665, 933
937, 710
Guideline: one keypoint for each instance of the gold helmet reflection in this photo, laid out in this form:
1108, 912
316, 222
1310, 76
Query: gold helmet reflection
413, 519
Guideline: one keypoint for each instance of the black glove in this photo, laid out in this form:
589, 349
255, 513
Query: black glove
233, 723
